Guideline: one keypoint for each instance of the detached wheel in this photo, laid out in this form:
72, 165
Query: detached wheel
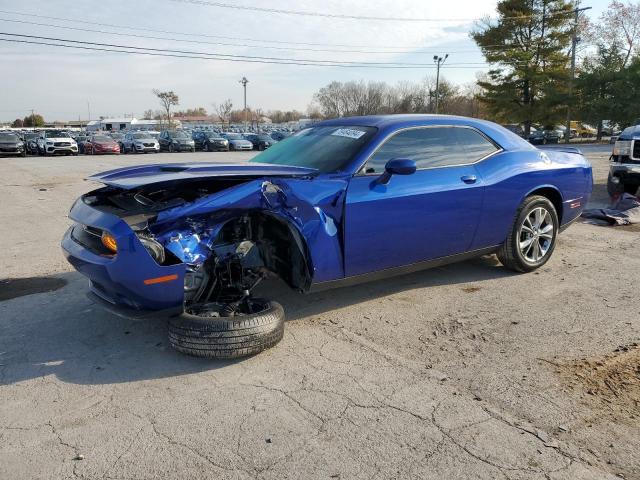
203, 330
533, 236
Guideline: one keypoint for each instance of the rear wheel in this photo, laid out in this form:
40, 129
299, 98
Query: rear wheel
533, 236
215, 330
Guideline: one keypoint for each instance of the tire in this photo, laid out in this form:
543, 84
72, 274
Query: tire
226, 337
519, 256
209, 147
171, 148
614, 189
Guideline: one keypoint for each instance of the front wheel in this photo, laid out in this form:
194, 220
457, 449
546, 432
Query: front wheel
533, 236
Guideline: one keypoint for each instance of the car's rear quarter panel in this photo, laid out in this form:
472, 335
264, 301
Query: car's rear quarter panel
511, 176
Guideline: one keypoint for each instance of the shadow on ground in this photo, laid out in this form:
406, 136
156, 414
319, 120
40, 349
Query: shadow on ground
63, 333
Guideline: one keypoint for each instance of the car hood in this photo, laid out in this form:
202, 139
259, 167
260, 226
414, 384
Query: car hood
134, 177
59, 139
240, 140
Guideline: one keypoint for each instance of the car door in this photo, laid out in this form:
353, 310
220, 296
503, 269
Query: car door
429, 214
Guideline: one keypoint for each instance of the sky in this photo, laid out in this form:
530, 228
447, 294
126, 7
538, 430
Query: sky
69, 84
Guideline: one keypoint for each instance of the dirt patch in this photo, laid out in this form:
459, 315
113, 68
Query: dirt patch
610, 383
471, 289
19, 287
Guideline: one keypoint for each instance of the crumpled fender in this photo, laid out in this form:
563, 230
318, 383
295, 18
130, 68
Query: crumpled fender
313, 207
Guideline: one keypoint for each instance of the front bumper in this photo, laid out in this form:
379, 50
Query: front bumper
11, 151
53, 149
123, 281
626, 172
146, 148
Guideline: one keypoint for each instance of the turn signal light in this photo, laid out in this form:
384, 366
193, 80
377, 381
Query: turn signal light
109, 242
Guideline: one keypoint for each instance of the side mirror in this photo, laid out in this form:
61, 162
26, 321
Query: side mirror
397, 166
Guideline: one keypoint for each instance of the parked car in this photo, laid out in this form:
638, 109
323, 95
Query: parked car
12, 144
624, 171
515, 128
543, 137
176, 141
101, 144
583, 130
52, 142
210, 141
279, 136
342, 202
237, 141
260, 141
139, 142
81, 140
31, 143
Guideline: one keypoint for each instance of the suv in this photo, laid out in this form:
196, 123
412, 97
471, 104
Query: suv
139, 142
210, 141
260, 141
56, 141
624, 172
176, 141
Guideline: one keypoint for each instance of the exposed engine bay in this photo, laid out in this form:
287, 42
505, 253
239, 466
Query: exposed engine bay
227, 253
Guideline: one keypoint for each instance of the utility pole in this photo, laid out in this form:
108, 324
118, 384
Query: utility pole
88, 112
438, 61
574, 44
244, 82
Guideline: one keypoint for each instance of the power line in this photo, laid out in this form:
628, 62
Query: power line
189, 52
307, 13
140, 51
244, 45
415, 49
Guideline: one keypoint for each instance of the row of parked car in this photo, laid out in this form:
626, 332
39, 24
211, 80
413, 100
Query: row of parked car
61, 142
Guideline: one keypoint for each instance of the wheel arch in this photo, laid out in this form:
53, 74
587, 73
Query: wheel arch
283, 247
552, 194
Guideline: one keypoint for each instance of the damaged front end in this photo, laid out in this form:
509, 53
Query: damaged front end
217, 236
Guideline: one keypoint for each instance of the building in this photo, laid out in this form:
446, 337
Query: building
115, 124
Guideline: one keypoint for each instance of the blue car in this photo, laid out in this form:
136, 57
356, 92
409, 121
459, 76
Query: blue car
342, 202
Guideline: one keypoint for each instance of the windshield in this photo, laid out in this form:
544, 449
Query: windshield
102, 138
181, 135
213, 135
57, 134
141, 135
8, 137
31, 136
265, 138
117, 136
233, 136
327, 149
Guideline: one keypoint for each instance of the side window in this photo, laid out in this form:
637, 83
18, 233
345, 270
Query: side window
432, 147
474, 144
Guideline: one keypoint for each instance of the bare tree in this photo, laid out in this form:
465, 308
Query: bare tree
224, 110
167, 100
618, 28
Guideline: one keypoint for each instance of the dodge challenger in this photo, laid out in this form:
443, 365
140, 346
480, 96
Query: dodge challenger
341, 202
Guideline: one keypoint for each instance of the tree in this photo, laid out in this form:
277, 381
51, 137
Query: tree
167, 100
223, 110
18, 123
32, 121
193, 112
527, 48
148, 115
618, 27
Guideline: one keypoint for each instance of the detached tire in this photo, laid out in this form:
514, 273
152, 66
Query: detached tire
532, 237
199, 332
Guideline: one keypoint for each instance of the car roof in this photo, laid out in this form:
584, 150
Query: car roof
388, 123
630, 133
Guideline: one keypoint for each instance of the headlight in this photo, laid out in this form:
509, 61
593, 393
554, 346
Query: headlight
49, 143
622, 148
154, 248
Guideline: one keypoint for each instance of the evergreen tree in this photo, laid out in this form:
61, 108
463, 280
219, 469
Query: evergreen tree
527, 47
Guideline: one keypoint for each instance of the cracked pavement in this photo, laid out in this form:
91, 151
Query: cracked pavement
448, 373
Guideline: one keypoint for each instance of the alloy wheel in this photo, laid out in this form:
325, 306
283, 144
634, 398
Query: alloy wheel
536, 235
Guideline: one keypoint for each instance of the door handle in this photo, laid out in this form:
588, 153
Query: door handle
469, 179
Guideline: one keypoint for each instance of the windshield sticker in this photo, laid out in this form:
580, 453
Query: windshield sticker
349, 133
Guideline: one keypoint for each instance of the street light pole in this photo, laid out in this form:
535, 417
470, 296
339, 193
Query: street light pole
438, 61
244, 82
574, 43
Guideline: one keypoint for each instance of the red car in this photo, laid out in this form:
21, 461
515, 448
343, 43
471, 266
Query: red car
100, 144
